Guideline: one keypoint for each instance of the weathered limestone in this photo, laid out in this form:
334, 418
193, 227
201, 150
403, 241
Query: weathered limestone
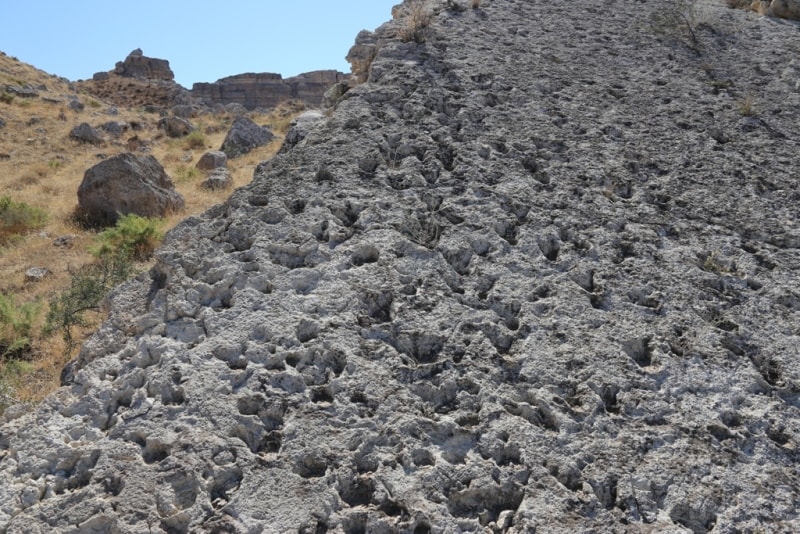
126, 184
538, 272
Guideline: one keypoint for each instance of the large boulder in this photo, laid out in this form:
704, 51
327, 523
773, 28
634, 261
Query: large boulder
211, 160
125, 184
85, 133
175, 126
244, 136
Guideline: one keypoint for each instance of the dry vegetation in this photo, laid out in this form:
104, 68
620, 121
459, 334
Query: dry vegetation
42, 167
413, 19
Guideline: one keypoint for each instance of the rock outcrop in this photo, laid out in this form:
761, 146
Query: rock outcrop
537, 273
267, 90
126, 184
137, 65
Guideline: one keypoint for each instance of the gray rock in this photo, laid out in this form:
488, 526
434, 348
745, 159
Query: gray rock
64, 241
100, 76
175, 126
244, 136
212, 160
300, 128
510, 284
125, 184
115, 128
2, 123
36, 274
85, 133
76, 105
184, 111
22, 91
219, 179
234, 108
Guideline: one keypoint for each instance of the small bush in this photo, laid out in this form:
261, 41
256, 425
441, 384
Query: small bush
195, 139
133, 237
746, 106
17, 218
6, 97
677, 19
88, 287
185, 173
16, 324
414, 18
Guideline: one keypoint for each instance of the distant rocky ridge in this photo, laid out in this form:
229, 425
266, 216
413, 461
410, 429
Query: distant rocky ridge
267, 90
537, 273
140, 79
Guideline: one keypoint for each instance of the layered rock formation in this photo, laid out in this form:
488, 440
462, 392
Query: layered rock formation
537, 273
267, 90
137, 65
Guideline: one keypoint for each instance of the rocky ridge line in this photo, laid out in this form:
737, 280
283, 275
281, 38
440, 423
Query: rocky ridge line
514, 281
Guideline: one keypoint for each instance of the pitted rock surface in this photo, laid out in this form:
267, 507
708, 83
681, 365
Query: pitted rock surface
537, 273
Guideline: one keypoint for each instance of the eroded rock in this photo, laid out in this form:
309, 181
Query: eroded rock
126, 184
509, 284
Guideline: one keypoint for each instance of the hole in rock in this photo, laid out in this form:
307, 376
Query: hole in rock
365, 254
154, 451
639, 350
356, 491
311, 466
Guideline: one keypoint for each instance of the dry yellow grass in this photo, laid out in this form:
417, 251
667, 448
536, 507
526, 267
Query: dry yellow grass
41, 166
413, 18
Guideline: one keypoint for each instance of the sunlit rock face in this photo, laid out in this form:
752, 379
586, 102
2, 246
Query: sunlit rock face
537, 272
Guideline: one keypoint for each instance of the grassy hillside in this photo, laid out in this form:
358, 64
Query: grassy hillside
41, 167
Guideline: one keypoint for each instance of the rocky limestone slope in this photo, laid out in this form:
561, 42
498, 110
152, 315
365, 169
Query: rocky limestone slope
537, 273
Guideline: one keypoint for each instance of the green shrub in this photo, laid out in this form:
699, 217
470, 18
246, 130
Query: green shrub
6, 97
133, 237
195, 139
185, 173
16, 325
88, 287
17, 218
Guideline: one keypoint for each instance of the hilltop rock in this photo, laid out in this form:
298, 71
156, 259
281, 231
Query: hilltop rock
137, 65
267, 90
125, 184
244, 136
537, 273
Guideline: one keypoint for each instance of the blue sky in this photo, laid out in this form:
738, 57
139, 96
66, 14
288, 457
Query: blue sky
203, 41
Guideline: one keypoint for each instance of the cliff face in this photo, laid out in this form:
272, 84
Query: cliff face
267, 90
538, 272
